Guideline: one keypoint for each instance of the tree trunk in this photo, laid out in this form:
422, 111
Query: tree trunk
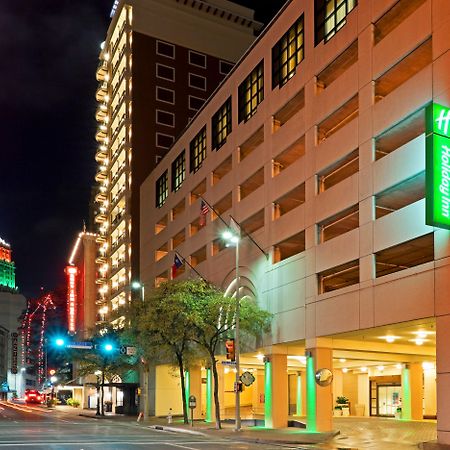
216, 389
183, 388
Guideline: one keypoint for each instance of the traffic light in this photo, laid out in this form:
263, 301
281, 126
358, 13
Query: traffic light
107, 347
229, 346
52, 372
60, 342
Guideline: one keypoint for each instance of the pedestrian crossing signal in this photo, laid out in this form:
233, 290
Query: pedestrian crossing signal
229, 346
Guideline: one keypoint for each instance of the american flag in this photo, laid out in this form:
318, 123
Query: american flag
204, 208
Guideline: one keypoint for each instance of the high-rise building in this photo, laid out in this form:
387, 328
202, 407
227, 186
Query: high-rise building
329, 143
7, 268
160, 61
12, 304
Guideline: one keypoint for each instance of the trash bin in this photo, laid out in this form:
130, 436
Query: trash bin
359, 410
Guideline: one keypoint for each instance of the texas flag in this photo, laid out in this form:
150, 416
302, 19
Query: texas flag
177, 263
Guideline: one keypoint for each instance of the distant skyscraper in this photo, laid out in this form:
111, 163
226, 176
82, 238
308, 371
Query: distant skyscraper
160, 61
7, 267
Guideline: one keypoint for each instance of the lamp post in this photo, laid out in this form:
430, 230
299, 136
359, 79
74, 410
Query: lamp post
233, 237
137, 285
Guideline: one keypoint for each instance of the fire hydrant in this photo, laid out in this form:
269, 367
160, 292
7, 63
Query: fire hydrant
169, 416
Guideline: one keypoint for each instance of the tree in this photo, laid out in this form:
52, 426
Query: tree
161, 326
105, 358
212, 317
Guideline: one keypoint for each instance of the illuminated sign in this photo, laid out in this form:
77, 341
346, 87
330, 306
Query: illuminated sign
114, 8
14, 337
438, 166
71, 272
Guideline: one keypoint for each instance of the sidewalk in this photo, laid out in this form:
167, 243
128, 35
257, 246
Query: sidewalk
350, 432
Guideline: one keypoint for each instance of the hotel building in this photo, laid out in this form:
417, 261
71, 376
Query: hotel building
160, 61
323, 143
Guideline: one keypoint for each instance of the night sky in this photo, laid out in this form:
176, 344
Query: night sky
49, 52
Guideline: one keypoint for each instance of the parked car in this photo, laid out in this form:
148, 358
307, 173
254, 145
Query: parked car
33, 396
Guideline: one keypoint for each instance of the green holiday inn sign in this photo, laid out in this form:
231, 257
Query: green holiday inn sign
438, 166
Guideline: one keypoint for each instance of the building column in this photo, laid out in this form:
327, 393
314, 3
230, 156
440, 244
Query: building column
443, 378
209, 401
276, 391
319, 407
412, 392
301, 395
195, 385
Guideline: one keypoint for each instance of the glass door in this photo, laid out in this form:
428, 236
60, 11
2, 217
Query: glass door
388, 399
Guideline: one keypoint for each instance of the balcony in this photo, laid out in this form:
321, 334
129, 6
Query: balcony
101, 112
100, 239
101, 197
117, 219
101, 153
101, 92
101, 175
102, 71
116, 244
100, 259
100, 218
101, 280
101, 133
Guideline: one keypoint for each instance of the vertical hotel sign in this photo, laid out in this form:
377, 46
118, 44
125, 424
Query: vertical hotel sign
71, 272
438, 166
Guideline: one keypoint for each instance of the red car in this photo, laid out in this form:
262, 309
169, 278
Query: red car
33, 396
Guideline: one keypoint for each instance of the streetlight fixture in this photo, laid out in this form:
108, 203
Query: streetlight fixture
137, 285
232, 236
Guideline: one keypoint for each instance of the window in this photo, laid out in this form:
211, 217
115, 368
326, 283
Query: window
165, 118
165, 95
164, 140
225, 67
339, 277
197, 150
251, 93
178, 171
162, 189
165, 49
403, 256
338, 224
197, 59
197, 81
330, 17
289, 247
165, 72
221, 125
339, 171
287, 54
195, 102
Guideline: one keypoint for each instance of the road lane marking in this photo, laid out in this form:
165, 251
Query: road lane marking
63, 444
182, 446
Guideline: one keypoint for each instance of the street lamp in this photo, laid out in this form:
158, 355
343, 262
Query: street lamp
136, 285
232, 236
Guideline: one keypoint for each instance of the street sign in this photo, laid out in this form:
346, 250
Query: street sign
80, 345
247, 378
127, 350
229, 363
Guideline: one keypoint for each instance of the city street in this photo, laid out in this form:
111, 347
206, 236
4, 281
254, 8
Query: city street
23, 426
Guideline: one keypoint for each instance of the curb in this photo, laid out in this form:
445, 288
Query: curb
176, 430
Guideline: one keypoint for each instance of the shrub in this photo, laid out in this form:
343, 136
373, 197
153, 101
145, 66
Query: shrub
341, 400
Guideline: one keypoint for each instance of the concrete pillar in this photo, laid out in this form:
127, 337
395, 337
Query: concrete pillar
443, 378
412, 392
195, 375
258, 394
416, 377
276, 391
319, 415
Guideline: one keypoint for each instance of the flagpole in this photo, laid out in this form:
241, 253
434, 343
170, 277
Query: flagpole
247, 235
193, 268
215, 212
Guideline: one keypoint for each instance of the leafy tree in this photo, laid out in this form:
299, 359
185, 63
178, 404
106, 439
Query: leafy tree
104, 358
213, 317
161, 327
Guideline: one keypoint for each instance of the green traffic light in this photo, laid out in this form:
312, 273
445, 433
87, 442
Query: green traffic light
108, 347
59, 342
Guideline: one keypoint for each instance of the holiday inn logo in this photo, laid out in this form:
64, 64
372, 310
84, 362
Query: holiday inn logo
438, 166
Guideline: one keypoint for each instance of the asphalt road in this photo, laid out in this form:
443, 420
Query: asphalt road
31, 428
